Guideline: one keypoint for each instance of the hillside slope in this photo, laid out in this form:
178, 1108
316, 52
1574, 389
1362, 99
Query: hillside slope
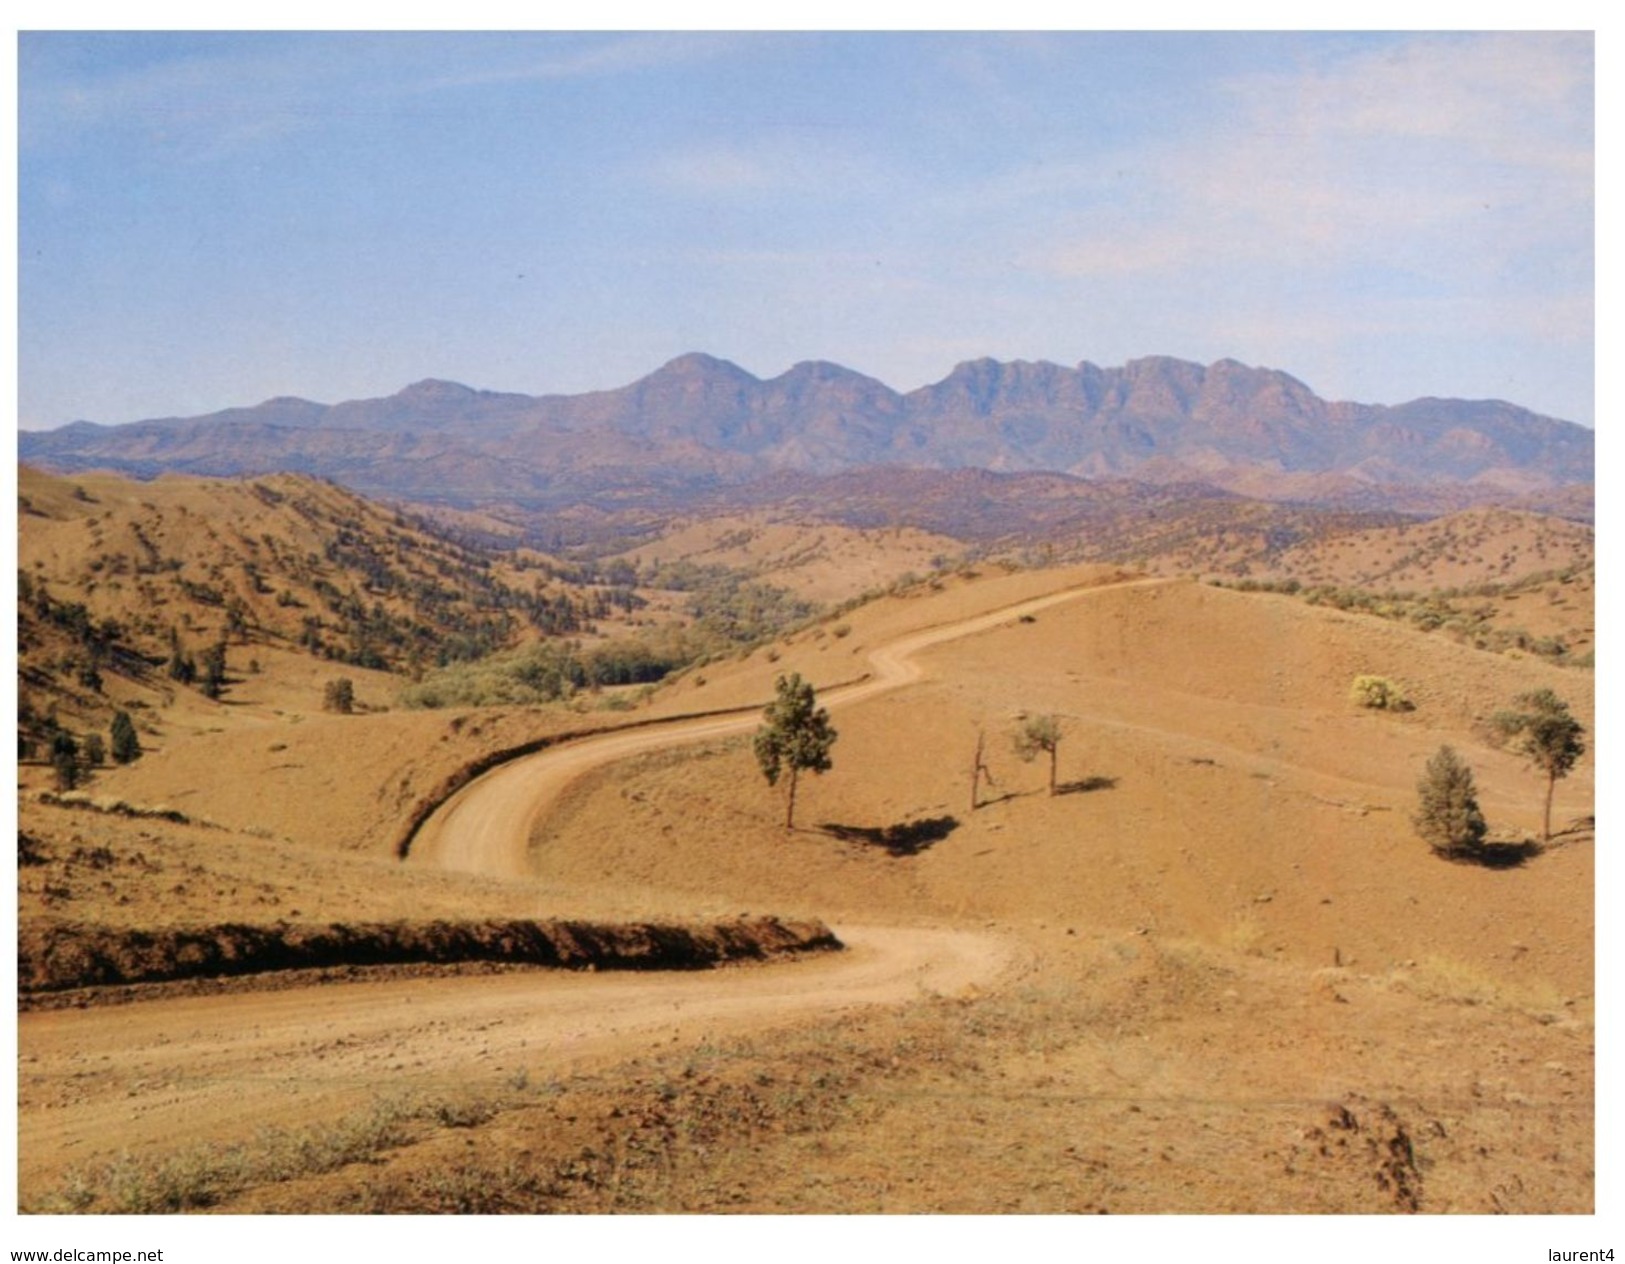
1237, 980
125, 587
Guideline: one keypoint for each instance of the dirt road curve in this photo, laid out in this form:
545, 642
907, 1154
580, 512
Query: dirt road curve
487, 826
155, 1077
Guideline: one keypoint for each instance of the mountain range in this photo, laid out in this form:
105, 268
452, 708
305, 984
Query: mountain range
699, 422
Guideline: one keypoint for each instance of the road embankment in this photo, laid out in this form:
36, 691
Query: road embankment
65, 956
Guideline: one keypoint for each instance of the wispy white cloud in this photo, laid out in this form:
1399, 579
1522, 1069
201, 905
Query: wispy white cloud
218, 94
1435, 151
1516, 98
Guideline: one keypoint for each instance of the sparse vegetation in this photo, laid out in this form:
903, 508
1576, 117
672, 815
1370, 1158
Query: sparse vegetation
979, 771
65, 760
1544, 731
550, 671
795, 737
1447, 814
1378, 693
126, 741
1040, 734
213, 682
1469, 615
338, 696
1240, 878
203, 1176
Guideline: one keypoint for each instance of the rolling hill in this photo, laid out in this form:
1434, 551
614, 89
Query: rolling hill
125, 587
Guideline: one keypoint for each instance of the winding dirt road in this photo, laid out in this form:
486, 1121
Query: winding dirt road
486, 827
156, 1077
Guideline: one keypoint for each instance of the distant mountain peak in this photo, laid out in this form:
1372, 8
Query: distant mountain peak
700, 420
698, 362
436, 388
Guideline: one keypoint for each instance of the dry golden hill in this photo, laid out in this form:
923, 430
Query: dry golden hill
126, 586
821, 561
1218, 784
1242, 982
1479, 546
1492, 578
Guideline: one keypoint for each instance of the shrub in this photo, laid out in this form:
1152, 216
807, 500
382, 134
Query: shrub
1379, 693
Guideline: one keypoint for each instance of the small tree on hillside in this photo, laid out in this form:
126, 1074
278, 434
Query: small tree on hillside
1040, 733
1544, 732
339, 696
182, 666
65, 759
214, 670
795, 736
1447, 815
126, 745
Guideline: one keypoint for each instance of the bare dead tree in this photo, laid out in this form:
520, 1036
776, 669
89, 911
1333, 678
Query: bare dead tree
980, 772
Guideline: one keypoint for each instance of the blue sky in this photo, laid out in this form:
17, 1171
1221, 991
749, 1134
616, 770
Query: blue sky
211, 220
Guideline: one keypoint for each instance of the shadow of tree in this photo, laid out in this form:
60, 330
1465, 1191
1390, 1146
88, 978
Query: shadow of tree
1087, 785
906, 839
1007, 796
1498, 855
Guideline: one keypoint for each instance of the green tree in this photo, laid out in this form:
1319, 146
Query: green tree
1040, 734
1447, 815
795, 736
126, 745
95, 750
1544, 732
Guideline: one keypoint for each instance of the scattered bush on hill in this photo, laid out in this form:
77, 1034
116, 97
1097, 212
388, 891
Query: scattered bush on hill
551, 671
65, 759
1379, 693
126, 744
338, 696
728, 607
1463, 614
728, 612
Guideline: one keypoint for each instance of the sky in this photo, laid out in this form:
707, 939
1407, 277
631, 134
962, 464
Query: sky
209, 220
